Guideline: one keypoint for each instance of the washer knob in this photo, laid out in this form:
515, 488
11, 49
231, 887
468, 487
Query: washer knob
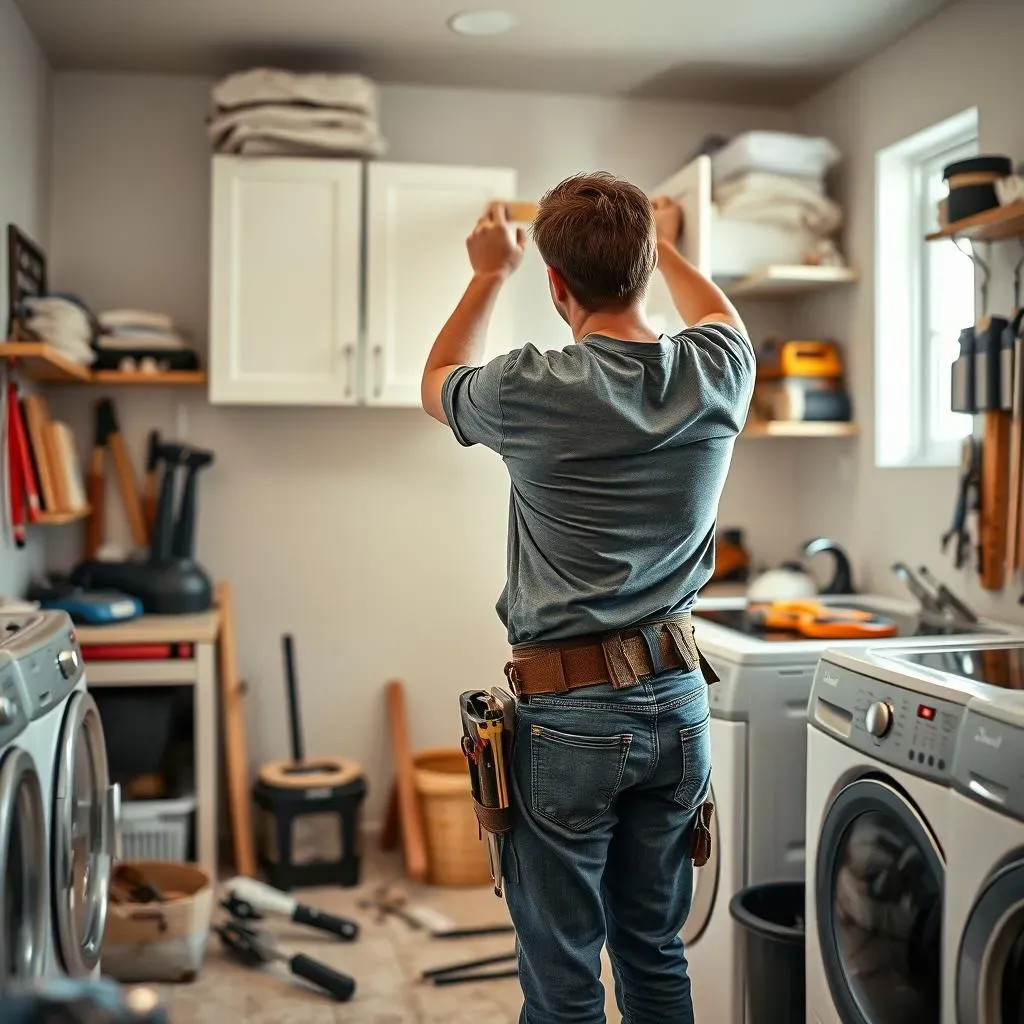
8, 710
67, 662
879, 718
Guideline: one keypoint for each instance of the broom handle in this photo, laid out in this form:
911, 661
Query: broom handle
298, 754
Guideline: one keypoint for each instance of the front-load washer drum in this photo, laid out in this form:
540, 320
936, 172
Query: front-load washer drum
990, 965
880, 885
705, 886
83, 843
22, 869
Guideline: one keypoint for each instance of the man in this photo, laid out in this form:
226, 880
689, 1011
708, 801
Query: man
617, 448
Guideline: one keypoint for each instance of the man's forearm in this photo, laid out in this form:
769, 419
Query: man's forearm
695, 297
463, 339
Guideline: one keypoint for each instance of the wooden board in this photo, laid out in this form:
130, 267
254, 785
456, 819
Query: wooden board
995, 499
413, 839
798, 428
39, 362
990, 226
784, 282
236, 760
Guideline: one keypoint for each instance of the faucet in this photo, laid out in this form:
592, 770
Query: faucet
928, 600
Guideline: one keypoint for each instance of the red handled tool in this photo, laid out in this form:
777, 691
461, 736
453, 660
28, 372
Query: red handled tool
818, 621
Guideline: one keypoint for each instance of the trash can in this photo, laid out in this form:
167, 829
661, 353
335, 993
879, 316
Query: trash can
771, 916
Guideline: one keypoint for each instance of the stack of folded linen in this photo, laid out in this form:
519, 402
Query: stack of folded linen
266, 111
776, 180
131, 339
63, 322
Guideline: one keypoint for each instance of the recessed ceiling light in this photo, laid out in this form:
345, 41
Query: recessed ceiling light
482, 23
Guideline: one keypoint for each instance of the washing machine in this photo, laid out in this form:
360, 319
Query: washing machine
64, 741
759, 771
883, 736
24, 905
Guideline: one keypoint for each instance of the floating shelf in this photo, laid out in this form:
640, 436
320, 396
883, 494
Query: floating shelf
61, 518
998, 223
43, 363
787, 428
786, 282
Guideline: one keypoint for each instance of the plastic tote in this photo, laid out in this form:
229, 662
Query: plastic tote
771, 916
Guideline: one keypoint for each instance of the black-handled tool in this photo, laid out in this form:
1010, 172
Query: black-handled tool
249, 897
254, 949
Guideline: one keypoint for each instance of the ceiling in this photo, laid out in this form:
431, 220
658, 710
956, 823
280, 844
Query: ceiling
747, 51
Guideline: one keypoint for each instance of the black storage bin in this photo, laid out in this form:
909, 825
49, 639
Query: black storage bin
138, 726
772, 918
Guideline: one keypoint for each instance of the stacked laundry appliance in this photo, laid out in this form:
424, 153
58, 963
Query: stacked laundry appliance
272, 112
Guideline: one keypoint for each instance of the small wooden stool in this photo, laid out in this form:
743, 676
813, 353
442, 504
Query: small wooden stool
290, 791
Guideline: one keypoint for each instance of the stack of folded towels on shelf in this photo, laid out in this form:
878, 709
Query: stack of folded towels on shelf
134, 340
776, 181
62, 321
267, 111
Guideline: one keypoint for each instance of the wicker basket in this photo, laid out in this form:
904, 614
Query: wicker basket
455, 853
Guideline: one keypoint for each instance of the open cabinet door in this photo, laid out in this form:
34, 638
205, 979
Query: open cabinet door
691, 188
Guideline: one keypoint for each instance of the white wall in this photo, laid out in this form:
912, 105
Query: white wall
370, 534
939, 69
24, 146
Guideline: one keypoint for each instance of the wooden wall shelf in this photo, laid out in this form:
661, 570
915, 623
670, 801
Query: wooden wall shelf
784, 428
991, 226
61, 518
786, 282
45, 365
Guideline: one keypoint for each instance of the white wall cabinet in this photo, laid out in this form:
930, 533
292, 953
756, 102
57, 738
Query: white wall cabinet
285, 281
417, 220
320, 298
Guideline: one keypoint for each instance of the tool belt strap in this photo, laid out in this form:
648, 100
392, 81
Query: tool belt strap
618, 658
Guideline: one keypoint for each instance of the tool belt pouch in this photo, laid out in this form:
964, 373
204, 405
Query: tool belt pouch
496, 820
700, 846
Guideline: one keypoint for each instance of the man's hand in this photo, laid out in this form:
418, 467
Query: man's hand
668, 219
495, 247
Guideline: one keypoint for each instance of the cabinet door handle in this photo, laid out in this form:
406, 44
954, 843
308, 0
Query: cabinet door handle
349, 353
378, 371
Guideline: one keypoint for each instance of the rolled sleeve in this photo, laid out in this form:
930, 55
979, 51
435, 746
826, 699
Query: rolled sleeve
471, 398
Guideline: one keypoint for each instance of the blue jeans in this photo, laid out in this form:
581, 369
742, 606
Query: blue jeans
607, 784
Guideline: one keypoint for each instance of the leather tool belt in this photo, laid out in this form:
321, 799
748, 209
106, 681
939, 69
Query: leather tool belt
616, 658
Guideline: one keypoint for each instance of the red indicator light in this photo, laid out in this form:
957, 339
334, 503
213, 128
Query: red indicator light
923, 711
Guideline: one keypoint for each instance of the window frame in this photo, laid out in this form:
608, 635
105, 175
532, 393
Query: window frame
904, 368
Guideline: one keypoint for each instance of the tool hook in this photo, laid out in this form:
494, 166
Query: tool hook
980, 264
1017, 275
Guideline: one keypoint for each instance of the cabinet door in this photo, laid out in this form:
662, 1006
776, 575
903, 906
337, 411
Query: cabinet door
418, 217
285, 269
691, 188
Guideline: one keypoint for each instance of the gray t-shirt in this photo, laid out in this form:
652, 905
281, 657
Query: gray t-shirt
617, 453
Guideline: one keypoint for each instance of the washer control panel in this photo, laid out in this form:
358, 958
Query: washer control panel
47, 659
989, 763
897, 726
13, 715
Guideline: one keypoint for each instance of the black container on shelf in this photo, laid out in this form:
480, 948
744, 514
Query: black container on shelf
972, 184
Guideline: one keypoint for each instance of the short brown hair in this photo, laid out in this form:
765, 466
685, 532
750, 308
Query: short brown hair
597, 231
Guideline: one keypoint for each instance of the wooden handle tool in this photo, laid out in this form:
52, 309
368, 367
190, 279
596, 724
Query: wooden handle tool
413, 839
123, 471
995, 499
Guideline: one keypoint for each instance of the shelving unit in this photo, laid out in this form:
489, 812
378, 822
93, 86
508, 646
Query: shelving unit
991, 226
45, 365
787, 428
61, 518
787, 282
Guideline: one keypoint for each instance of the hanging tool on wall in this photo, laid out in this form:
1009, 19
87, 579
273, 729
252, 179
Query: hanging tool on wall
151, 484
966, 502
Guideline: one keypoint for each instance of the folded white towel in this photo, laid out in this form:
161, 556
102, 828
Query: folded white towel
278, 116
114, 318
140, 340
272, 85
1010, 190
303, 141
777, 199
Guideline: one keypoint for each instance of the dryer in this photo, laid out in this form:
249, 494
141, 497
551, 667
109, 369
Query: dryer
883, 733
23, 873
759, 771
64, 740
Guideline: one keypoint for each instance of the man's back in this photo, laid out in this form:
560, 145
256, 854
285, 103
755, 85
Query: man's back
617, 452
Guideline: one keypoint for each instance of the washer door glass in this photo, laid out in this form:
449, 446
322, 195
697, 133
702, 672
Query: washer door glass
880, 907
705, 886
990, 966
22, 867
81, 848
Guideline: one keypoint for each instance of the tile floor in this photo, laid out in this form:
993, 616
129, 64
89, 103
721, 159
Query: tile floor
385, 961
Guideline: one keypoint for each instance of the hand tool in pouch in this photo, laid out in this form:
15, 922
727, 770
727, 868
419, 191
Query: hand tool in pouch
249, 900
488, 725
254, 949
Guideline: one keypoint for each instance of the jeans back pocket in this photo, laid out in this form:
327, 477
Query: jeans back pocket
575, 778
695, 744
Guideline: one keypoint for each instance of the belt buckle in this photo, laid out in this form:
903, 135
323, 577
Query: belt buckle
512, 675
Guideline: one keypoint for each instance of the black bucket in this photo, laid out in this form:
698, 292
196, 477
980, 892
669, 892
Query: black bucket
772, 918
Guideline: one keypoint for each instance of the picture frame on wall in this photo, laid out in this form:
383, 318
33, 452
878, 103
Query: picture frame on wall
26, 276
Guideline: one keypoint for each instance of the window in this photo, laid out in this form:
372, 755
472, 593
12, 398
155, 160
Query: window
925, 294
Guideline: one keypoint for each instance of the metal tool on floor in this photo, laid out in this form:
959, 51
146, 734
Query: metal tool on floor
470, 970
253, 948
250, 900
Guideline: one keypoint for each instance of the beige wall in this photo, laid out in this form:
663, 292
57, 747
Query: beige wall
957, 60
368, 533
24, 145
